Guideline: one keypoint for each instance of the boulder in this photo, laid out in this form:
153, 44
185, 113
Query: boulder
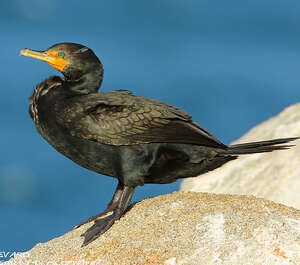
184, 228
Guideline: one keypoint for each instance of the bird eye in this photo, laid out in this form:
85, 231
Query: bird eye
60, 54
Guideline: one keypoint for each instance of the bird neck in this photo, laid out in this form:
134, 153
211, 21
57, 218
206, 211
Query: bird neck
86, 83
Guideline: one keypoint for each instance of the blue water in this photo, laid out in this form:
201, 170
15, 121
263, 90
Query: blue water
230, 64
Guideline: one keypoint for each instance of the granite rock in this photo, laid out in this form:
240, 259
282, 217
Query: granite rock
184, 228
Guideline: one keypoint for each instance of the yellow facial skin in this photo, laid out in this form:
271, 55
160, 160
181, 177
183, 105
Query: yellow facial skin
54, 58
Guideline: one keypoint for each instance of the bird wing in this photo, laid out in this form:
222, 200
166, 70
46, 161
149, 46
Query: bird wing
119, 118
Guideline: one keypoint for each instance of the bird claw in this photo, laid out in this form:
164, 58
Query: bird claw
100, 226
96, 217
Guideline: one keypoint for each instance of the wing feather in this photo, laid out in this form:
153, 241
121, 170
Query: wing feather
119, 118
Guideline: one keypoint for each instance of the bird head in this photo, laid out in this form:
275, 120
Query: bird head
71, 59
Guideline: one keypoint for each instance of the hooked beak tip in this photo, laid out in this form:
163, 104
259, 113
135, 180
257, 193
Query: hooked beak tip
23, 51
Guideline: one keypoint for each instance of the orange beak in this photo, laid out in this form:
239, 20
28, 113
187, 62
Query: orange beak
49, 57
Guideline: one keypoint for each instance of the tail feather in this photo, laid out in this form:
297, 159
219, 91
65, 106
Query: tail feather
260, 147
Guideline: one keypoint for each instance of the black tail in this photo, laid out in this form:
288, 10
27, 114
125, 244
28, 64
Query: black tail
260, 147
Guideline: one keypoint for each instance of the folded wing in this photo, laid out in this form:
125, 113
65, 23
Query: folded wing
119, 118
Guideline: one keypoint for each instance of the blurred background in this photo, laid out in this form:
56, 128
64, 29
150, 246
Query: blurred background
230, 64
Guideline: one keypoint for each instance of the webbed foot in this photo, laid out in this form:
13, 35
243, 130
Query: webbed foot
114, 211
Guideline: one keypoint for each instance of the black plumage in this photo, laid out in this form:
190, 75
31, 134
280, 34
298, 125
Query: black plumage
135, 139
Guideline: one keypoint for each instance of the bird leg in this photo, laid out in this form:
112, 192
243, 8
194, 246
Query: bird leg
113, 212
109, 207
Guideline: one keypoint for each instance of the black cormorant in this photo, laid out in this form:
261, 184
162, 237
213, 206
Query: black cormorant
135, 139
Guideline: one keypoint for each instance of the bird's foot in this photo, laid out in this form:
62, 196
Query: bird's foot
101, 225
115, 209
100, 215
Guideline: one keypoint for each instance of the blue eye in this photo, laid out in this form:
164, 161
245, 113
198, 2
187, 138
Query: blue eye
60, 54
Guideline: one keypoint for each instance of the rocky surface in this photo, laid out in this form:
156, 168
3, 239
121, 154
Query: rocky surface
274, 176
185, 228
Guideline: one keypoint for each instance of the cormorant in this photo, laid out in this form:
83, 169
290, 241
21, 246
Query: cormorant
135, 139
